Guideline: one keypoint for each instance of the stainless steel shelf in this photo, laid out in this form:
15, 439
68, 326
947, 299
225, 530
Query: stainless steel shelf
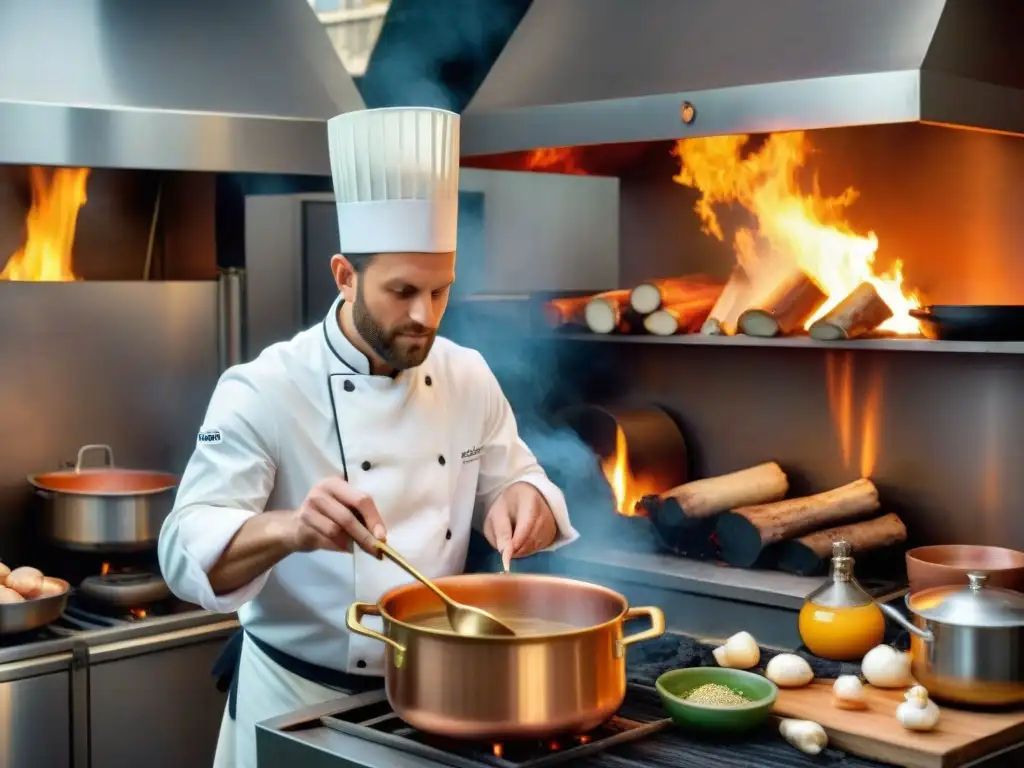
804, 342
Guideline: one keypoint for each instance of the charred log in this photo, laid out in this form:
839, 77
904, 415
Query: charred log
683, 518
786, 309
810, 555
745, 533
859, 313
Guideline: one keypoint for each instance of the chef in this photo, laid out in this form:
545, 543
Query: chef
364, 426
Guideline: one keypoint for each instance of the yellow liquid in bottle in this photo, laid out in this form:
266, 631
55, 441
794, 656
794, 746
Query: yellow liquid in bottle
841, 634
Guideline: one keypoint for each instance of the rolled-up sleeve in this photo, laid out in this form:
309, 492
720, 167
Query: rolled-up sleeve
506, 459
228, 479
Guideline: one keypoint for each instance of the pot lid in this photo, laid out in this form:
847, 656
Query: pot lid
975, 605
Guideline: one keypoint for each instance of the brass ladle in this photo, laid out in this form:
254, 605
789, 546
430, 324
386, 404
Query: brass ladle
464, 619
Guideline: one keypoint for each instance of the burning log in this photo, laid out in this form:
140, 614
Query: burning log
786, 309
609, 312
665, 292
859, 313
678, 318
810, 555
745, 533
683, 517
724, 316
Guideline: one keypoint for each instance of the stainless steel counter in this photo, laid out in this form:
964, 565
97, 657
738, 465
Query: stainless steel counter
108, 696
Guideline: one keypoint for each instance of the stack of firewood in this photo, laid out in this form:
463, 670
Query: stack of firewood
696, 304
662, 307
749, 522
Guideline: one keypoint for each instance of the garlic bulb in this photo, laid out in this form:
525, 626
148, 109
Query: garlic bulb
885, 667
739, 652
807, 736
787, 670
848, 693
918, 712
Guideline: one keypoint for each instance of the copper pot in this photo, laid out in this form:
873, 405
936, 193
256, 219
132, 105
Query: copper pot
500, 688
104, 508
948, 565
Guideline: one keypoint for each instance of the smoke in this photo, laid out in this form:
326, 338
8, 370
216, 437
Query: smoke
435, 53
536, 374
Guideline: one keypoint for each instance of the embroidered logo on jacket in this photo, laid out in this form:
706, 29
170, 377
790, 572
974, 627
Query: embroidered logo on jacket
209, 437
472, 454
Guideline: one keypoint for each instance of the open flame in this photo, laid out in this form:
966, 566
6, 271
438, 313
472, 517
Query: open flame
794, 229
498, 749
627, 489
57, 197
554, 160
857, 419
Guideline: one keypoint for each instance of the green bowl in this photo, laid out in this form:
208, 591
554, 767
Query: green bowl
674, 686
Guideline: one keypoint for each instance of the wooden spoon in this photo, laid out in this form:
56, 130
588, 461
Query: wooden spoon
464, 619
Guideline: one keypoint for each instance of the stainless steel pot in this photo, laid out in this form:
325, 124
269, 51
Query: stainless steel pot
967, 643
104, 508
566, 681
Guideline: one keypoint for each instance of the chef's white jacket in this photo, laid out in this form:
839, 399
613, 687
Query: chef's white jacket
433, 447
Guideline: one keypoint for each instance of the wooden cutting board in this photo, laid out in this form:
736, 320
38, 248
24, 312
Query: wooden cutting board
960, 736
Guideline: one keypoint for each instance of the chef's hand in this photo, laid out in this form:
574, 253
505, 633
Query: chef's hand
333, 515
521, 520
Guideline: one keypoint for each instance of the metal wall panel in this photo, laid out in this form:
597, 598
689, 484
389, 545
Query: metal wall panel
128, 364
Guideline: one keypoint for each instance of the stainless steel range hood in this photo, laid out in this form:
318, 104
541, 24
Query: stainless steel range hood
207, 85
600, 71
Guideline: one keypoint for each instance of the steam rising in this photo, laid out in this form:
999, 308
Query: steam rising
534, 374
437, 54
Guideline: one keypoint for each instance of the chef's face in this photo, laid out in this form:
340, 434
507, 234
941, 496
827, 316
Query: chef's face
397, 301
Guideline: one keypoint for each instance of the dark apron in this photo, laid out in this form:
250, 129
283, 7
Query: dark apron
225, 669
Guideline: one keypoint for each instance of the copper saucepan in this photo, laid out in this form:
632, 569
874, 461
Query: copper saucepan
104, 508
566, 681
948, 565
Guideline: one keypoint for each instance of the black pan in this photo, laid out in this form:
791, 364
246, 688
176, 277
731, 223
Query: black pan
972, 322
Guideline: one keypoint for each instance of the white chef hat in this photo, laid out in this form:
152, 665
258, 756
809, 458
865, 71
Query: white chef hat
396, 179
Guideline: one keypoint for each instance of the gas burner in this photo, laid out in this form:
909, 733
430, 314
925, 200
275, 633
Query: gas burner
125, 589
369, 716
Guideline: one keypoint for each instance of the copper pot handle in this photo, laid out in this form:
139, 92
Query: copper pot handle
354, 617
657, 624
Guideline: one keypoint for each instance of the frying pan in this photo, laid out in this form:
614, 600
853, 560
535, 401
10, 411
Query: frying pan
972, 322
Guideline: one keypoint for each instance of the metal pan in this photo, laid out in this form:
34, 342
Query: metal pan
105, 508
17, 618
944, 565
969, 322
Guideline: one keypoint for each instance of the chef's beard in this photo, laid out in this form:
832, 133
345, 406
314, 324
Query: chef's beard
397, 350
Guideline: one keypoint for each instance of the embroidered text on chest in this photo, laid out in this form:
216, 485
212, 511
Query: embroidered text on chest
472, 454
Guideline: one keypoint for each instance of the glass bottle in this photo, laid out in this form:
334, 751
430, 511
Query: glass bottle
840, 620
